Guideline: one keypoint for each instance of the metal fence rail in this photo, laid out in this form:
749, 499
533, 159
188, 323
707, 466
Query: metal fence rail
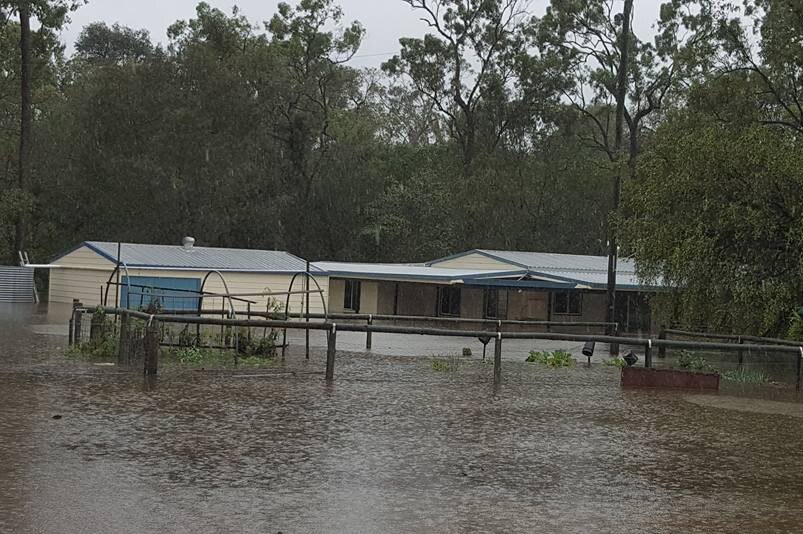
331, 328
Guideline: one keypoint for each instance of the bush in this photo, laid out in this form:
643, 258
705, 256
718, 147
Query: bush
688, 360
745, 376
558, 358
446, 364
615, 362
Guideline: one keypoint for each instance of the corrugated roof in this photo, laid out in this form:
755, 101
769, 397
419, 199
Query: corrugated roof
199, 258
540, 261
404, 271
589, 271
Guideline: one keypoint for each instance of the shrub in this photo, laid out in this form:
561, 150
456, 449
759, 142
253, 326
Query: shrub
745, 376
615, 362
688, 360
446, 364
558, 358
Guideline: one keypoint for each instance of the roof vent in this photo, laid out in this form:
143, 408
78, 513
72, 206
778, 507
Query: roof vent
188, 242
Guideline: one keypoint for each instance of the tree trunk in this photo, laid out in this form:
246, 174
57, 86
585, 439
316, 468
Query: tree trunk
621, 97
26, 121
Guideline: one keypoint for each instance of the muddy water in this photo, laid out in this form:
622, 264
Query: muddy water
391, 446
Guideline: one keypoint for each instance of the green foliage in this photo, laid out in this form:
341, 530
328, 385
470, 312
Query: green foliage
615, 362
448, 363
557, 358
692, 361
190, 355
795, 332
745, 376
258, 346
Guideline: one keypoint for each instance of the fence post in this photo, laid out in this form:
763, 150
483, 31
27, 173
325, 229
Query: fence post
96, 326
151, 347
741, 353
122, 349
77, 313
368, 336
799, 364
331, 346
662, 335
648, 354
614, 347
498, 359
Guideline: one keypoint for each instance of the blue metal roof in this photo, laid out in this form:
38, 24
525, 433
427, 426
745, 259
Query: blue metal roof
198, 258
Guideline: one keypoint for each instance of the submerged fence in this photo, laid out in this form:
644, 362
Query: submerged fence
331, 326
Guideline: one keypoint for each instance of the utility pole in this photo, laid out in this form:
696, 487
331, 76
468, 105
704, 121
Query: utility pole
621, 98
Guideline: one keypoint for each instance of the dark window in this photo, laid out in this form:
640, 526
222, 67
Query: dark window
567, 303
351, 299
449, 301
495, 304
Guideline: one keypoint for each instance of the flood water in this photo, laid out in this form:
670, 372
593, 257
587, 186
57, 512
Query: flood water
390, 446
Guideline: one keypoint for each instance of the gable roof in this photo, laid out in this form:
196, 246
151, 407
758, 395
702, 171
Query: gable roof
197, 259
591, 271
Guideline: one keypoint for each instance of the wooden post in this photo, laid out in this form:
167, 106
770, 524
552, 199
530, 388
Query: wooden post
151, 348
615, 346
648, 354
741, 353
248, 315
799, 364
306, 300
71, 329
368, 335
331, 347
96, 326
662, 335
78, 318
122, 349
498, 359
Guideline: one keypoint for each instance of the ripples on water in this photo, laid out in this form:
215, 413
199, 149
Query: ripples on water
390, 446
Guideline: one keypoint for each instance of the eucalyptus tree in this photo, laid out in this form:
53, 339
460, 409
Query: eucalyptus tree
465, 66
50, 15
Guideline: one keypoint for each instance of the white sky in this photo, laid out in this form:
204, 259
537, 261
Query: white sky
385, 20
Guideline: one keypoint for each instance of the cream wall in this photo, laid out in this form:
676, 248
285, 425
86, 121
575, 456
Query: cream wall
84, 273
476, 261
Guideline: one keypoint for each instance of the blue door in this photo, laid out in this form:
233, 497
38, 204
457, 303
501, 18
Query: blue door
168, 293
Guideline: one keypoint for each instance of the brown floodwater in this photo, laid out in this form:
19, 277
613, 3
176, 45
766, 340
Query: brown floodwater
390, 446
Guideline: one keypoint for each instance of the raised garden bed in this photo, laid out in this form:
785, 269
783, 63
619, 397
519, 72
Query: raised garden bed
640, 377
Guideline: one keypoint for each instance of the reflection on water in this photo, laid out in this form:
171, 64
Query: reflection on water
391, 446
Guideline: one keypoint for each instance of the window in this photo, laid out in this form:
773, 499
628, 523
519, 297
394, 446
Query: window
166, 293
495, 304
567, 303
351, 298
449, 301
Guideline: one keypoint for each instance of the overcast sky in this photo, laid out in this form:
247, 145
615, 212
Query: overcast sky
385, 20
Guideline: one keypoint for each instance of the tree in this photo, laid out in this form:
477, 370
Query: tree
716, 215
116, 44
51, 14
466, 68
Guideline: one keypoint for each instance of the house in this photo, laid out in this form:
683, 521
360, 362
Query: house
175, 274
488, 284
493, 284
